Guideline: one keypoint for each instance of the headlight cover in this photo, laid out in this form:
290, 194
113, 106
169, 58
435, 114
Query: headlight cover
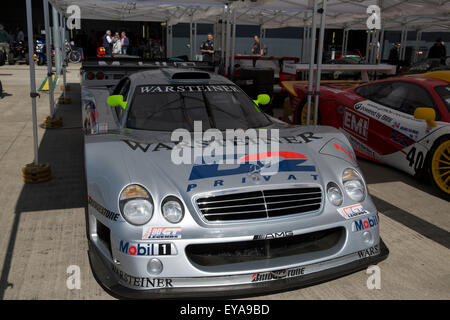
172, 209
334, 194
354, 185
136, 205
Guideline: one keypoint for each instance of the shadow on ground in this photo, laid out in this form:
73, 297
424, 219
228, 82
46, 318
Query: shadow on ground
63, 149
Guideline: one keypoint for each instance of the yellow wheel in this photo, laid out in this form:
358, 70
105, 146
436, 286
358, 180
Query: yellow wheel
303, 113
440, 166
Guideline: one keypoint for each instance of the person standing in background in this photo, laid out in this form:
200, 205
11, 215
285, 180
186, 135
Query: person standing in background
256, 49
107, 42
20, 36
207, 49
125, 42
438, 51
4, 40
394, 56
117, 46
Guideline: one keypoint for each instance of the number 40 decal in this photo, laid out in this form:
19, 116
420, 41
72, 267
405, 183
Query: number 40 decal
414, 159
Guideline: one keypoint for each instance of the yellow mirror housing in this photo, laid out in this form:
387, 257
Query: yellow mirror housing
116, 101
427, 114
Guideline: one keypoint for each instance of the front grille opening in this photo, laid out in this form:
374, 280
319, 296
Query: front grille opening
262, 204
104, 234
219, 254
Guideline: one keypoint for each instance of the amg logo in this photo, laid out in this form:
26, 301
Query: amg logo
372, 251
356, 124
273, 235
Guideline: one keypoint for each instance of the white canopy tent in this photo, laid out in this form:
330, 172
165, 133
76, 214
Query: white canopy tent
422, 15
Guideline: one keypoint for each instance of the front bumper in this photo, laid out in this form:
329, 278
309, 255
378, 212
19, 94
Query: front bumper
107, 278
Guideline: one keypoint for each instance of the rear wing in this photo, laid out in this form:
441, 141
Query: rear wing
107, 71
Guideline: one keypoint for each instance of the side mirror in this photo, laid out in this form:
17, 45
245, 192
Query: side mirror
427, 114
262, 99
116, 101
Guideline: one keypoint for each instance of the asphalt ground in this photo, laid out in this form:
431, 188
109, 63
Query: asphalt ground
42, 227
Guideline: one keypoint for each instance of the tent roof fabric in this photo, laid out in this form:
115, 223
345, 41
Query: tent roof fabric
420, 15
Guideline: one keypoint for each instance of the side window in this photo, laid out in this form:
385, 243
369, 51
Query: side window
122, 88
402, 96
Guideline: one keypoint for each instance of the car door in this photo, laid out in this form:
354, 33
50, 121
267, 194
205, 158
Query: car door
394, 131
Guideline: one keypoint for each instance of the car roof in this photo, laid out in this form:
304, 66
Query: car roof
163, 76
415, 78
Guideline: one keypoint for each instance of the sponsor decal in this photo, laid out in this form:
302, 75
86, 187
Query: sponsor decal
278, 274
353, 211
361, 147
146, 249
338, 147
400, 138
176, 89
143, 282
162, 233
364, 224
356, 124
304, 137
273, 235
374, 112
372, 251
103, 211
287, 162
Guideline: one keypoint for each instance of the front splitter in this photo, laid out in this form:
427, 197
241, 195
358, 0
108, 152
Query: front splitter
108, 282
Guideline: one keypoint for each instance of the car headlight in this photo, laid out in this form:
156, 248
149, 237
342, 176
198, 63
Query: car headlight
354, 185
334, 194
172, 209
136, 205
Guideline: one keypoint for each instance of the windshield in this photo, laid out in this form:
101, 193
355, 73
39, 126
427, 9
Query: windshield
444, 93
166, 108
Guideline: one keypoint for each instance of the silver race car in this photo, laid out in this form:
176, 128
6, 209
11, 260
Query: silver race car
160, 229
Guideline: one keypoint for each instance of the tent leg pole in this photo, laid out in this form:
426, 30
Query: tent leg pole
311, 61
48, 45
319, 60
56, 42
222, 40
33, 93
233, 43
190, 41
195, 40
380, 56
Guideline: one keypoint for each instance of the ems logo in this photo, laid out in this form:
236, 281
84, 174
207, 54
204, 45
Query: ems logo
364, 224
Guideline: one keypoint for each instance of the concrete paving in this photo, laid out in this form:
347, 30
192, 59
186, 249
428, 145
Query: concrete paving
42, 228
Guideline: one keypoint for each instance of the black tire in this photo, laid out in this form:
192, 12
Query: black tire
2, 58
11, 59
27, 61
304, 106
436, 145
40, 61
75, 56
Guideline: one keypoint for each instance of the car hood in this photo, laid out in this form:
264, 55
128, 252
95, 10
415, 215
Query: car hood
307, 154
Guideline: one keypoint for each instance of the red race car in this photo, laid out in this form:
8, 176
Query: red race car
400, 121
